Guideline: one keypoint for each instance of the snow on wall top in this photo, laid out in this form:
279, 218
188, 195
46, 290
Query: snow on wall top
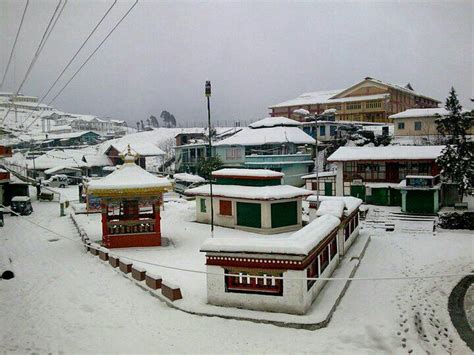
188, 177
273, 122
267, 135
299, 243
277, 192
387, 153
420, 112
350, 203
333, 207
128, 176
264, 173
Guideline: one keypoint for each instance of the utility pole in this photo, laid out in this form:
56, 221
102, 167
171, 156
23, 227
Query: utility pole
207, 91
316, 160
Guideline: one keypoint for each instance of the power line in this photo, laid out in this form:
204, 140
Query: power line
92, 54
14, 43
44, 38
69, 63
195, 271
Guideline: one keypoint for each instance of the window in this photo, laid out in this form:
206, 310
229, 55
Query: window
418, 126
322, 130
233, 154
246, 282
332, 130
401, 125
203, 205
225, 207
333, 247
346, 232
312, 272
324, 258
354, 106
373, 105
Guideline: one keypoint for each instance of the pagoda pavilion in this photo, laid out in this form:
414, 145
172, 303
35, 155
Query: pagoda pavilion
130, 200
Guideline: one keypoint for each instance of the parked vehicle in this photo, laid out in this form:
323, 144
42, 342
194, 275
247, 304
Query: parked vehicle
56, 181
184, 181
21, 205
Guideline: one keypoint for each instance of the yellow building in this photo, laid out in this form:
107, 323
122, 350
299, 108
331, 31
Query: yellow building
419, 123
370, 100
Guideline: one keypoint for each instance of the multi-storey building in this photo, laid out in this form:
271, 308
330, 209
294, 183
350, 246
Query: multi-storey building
370, 100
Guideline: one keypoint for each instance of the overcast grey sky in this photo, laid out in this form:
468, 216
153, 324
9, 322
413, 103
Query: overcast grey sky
255, 53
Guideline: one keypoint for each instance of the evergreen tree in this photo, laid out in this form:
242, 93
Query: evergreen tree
456, 160
206, 166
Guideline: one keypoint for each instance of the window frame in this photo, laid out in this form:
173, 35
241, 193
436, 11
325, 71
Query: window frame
225, 208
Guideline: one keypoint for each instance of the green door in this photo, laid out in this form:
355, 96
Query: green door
284, 214
420, 202
328, 189
380, 196
249, 214
358, 191
395, 197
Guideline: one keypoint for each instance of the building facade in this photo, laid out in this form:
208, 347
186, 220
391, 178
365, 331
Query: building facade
370, 100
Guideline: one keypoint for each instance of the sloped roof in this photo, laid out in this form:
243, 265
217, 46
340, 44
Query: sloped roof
391, 152
276, 192
274, 122
129, 177
420, 112
267, 135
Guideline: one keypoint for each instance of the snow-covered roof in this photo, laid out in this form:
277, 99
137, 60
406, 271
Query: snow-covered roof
142, 148
420, 112
129, 176
298, 243
350, 203
276, 192
58, 168
387, 153
273, 122
188, 177
97, 160
332, 207
380, 82
309, 98
267, 135
320, 174
20, 199
55, 158
257, 173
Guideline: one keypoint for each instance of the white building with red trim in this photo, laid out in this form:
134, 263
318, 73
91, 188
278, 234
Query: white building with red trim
280, 273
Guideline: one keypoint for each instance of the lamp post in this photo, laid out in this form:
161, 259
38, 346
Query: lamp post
207, 93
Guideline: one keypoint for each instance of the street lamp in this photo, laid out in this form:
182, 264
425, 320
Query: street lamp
207, 93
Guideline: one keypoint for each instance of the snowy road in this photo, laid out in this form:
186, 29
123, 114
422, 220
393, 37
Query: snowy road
63, 300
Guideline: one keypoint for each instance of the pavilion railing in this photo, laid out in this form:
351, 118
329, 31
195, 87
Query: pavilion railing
131, 227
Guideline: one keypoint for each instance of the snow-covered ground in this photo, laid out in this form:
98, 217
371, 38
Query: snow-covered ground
63, 299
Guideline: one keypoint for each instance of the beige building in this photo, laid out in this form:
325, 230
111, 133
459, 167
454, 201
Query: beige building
370, 100
419, 123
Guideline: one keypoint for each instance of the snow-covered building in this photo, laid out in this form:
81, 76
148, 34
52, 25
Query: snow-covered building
370, 100
144, 149
324, 181
250, 199
130, 200
420, 122
275, 143
279, 273
361, 168
346, 208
